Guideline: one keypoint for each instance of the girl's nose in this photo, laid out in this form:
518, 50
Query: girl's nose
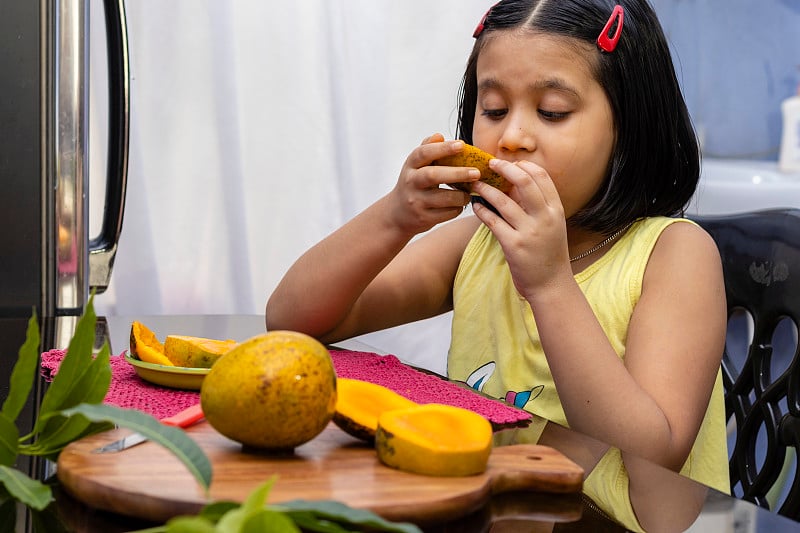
518, 135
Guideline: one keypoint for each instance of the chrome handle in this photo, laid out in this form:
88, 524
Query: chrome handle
103, 247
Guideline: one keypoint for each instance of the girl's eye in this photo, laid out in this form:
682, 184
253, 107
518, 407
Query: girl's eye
553, 116
494, 114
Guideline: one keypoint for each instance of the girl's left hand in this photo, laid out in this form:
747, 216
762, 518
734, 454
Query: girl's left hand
531, 227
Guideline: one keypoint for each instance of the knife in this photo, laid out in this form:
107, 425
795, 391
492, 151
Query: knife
185, 418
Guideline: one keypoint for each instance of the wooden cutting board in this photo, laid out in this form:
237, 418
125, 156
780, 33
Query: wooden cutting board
147, 481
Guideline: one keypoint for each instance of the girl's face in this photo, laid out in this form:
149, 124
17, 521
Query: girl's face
538, 101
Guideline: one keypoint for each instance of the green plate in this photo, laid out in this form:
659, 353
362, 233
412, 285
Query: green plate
177, 377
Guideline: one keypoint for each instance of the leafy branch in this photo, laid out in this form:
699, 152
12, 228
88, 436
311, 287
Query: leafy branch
72, 408
255, 516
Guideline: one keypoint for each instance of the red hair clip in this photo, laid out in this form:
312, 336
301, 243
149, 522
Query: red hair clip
479, 28
606, 43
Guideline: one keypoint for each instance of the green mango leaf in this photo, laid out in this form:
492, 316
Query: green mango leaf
77, 427
308, 521
32, 493
69, 379
334, 511
173, 439
256, 500
216, 510
51, 453
233, 521
268, 520
91, 387
253, 516
9, 445
190, 524
24, 372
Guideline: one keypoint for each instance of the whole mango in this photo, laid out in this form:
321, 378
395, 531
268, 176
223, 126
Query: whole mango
274, 391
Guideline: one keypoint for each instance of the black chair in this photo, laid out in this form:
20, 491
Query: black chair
761, 365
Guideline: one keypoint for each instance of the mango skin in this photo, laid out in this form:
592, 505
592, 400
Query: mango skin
471, 156
274, 391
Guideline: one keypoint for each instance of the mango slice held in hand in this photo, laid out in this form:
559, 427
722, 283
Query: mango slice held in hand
177, 350
471, 156
360, 403
435, 440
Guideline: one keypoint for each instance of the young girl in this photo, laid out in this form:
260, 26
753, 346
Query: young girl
582, 298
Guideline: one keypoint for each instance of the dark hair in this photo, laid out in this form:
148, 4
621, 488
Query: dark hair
655, 163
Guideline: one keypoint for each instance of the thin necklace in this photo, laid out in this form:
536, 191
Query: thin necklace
602, 243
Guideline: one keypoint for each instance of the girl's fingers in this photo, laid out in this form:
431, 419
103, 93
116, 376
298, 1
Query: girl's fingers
542, 180
487, 215
430, 151
522, 174
427, 175
499, 200
435, 138
533, 193
525, 191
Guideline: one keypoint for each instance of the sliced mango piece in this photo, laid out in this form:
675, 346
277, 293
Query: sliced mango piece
146, 346
360, 403
195, 352
435, 440
475, 157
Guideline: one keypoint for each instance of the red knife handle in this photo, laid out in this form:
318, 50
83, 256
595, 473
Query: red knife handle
185, 418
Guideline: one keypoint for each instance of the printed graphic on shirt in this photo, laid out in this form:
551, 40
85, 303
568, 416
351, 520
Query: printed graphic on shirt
478, 378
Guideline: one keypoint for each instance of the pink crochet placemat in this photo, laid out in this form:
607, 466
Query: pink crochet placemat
422, 387
128, 390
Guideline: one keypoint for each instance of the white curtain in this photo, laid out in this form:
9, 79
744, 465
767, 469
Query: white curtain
257, 128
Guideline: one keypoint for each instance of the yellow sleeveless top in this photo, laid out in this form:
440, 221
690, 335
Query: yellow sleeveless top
495, 348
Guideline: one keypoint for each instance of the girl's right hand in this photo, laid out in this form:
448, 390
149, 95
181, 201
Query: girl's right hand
417, 203
531, 227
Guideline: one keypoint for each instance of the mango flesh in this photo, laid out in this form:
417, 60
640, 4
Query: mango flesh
274, 391
434, 440
360, 403
195, 352
145, 346
477, 158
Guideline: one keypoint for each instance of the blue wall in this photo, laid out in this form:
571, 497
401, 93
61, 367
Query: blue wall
737, 61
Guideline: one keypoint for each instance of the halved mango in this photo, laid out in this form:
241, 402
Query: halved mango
435, 440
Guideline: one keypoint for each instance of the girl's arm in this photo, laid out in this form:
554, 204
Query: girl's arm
652, 403
357, 280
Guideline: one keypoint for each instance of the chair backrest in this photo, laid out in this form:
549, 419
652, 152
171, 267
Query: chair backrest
761, 367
